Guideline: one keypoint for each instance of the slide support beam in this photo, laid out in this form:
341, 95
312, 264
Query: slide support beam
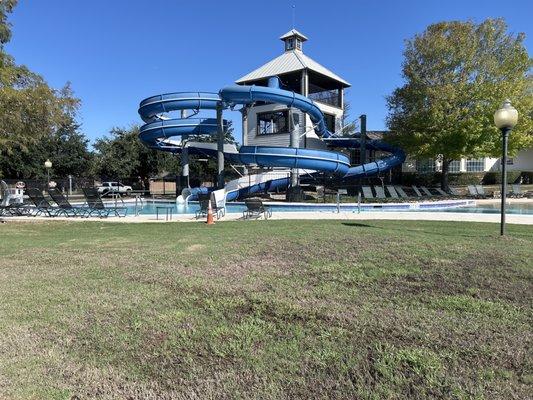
220, 149
294, 143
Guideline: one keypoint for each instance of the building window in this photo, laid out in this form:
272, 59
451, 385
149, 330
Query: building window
425, 166
329, 120
298, 44
475, 165
454, 166
289, 44
273, 122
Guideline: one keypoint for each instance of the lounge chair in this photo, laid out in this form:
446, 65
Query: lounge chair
218, 198
417, 192
454, 191
426, 191
42, 205
217, 205
441, 192
392, 192
401, 192
254, 209
97, 207
380, 193
472, 190
320, 194
481, 191
63, 203
203, 201
367, 192
516, 191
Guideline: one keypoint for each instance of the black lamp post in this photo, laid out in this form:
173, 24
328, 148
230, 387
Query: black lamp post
48, 165
505, 119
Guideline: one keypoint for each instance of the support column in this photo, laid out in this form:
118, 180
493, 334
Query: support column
220, 149
362, 148
245, 130
294, 143
184, 160
304, 89
505, 139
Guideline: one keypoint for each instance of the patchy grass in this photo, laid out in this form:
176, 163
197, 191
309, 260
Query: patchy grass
265, 310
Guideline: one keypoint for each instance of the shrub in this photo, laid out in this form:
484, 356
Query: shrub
492, 178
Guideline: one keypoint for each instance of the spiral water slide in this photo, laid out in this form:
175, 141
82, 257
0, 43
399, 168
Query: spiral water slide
159, 131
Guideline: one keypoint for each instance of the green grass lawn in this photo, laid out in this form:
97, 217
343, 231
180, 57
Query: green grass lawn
265, 310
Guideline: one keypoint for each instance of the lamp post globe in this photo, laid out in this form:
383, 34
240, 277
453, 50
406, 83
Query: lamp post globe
48, 166
505, 119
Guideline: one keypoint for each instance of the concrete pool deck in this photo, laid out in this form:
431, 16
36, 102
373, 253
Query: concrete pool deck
520, 219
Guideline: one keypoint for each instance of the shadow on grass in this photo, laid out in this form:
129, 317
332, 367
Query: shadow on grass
358, 225
438, 232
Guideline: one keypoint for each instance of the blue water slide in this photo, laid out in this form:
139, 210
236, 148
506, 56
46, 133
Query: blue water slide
288, 157
159, 127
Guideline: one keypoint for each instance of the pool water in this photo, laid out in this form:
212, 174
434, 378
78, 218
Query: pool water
514, 208
452, 206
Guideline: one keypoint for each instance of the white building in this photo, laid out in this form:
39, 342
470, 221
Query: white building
523, 161
269, 124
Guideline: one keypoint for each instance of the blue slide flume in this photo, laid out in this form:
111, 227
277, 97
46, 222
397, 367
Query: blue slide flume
158, 128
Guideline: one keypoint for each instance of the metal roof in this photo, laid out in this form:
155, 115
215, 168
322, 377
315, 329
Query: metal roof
294, 32
288, 62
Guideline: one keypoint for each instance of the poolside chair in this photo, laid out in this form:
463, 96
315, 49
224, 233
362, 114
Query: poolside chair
401, 192
96, 206
481, 192
441, 192
218, 198
516, 191
42, 205
392, 192
380, 193
255, 208
320, 194
203, 201
63, 203
472, 190
454, 191
426, 191
367, 192
417, 192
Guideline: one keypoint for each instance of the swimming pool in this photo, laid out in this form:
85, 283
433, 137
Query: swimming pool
494, 208
461, 206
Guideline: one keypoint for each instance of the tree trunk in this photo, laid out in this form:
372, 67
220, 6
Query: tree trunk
444, 175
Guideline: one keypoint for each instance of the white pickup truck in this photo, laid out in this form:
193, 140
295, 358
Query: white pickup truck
114, 187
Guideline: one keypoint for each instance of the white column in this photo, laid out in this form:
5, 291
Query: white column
184, 159
220, 149
245, 131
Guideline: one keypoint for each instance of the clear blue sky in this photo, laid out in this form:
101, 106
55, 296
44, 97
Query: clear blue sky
118, 52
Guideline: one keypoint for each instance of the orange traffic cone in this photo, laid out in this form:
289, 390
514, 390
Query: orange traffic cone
210, 220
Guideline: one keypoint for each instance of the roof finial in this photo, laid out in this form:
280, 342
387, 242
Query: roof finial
293, 15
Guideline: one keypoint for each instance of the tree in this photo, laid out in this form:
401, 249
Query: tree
122, 156
29, 108
67, 148
6, 7
457, 74
348, 127
228, 136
